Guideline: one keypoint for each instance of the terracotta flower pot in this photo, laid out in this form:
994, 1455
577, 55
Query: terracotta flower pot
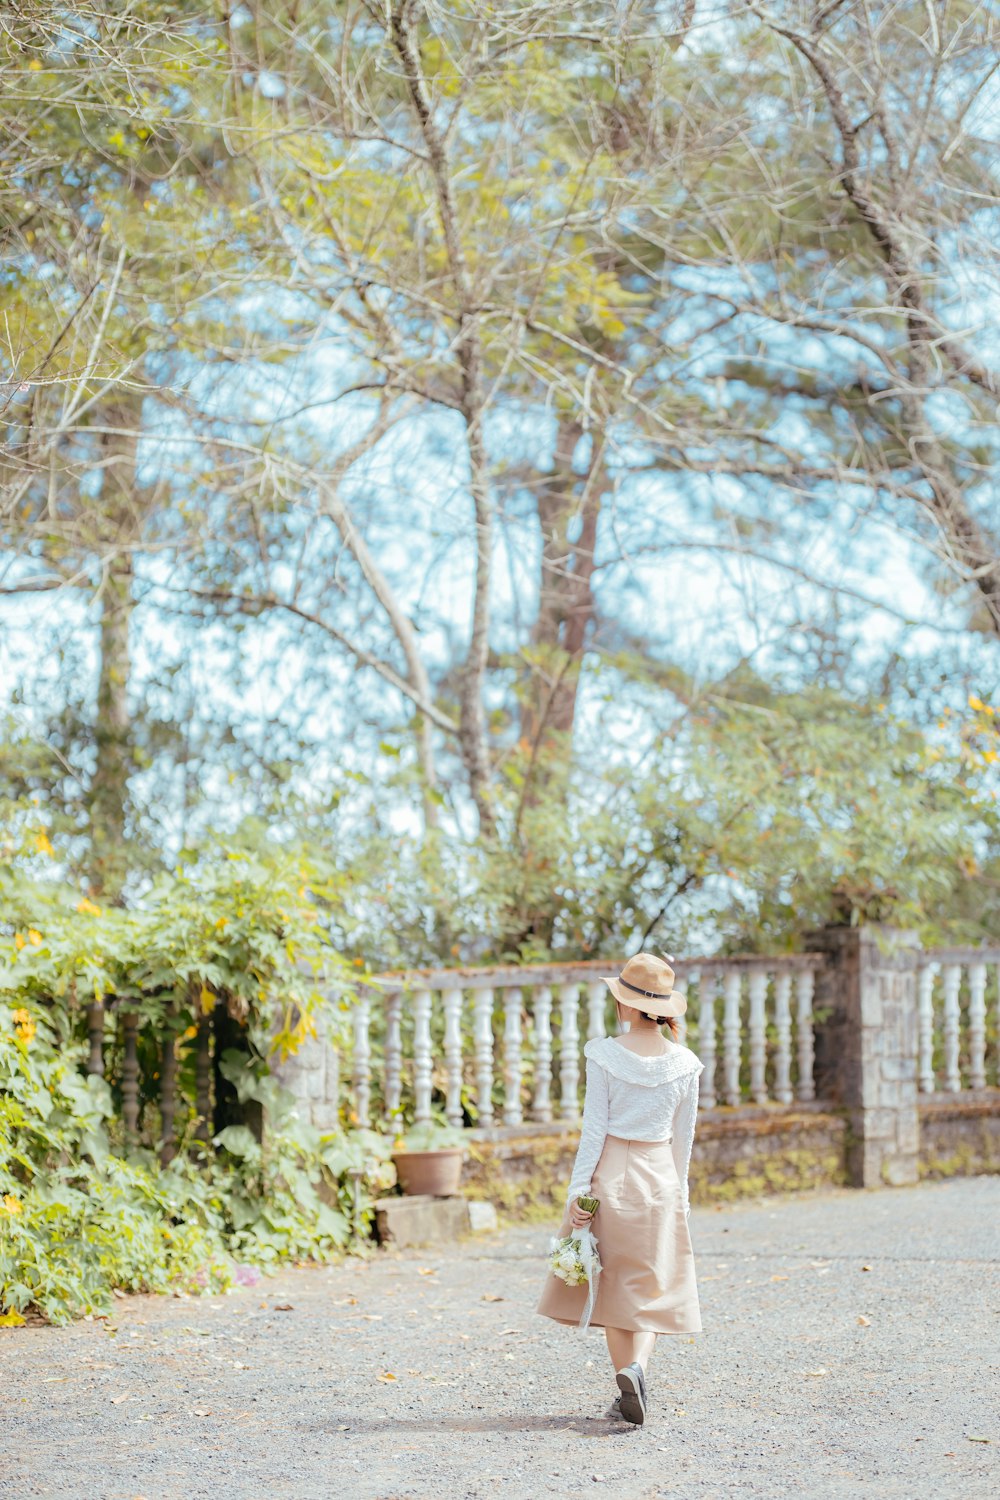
437, 1173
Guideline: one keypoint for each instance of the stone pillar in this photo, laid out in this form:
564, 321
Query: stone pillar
866, 1047
312, 1076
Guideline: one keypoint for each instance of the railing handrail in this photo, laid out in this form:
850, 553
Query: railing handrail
962, 955
514, 976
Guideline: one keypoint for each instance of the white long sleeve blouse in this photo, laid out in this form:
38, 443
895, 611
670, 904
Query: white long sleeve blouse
639, 1099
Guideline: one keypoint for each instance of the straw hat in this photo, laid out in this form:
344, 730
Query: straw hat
646, 983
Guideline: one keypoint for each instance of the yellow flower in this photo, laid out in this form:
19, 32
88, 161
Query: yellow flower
34, 938
42, 844
26, 1032
88, 906
11, 1204
21, 1016
976, 703
19, 941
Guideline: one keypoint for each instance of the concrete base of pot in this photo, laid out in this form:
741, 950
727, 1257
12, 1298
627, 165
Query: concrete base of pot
425, 1220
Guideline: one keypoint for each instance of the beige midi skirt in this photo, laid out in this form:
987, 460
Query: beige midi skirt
647, 1282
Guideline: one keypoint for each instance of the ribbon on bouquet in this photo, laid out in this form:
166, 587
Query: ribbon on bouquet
590, 1261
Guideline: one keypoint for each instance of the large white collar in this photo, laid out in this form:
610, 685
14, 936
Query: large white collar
649, 1072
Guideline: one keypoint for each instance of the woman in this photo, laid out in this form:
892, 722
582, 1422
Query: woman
635, 1146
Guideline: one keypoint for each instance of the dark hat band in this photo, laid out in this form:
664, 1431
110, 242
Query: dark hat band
649, 994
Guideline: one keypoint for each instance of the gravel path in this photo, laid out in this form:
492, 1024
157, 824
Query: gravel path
850, 1349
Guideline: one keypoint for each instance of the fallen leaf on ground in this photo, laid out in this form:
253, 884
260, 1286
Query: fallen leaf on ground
773, 1278
865, 1322
203, 1411
504, 1331
54, 1379
976, 1439
372, 1317
426, 1271
821, 1371
282, 1307
866, 1268
387, 1376
118, 1292
117, 1400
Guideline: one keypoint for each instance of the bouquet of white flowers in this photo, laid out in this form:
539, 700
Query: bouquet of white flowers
574, 1259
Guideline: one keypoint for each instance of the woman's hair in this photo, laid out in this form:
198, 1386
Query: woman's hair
670, 1022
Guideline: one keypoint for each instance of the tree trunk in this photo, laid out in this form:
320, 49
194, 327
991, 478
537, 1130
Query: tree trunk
565, 594
108, 794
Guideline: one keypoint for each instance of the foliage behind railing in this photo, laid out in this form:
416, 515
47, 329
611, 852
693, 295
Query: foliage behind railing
135, 1050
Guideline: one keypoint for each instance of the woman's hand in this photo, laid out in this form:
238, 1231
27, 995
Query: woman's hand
578, 1217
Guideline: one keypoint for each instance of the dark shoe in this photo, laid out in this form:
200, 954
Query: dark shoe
632, 1384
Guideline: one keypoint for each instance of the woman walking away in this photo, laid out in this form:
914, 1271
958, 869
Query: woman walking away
635, 1146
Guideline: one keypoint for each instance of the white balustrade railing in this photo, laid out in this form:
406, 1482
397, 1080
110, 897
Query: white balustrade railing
958, 1019
505, 1045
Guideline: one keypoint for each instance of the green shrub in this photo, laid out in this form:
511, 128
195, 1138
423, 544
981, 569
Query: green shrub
77, 1221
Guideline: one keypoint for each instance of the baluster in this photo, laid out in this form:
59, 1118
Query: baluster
804, 984
512, 1057
682, 982
541, 1109
977, 1026
361, 1072
707, 989
423, 1067
130, 1077
392, 1087
597, 996
758, 1057
569, 1052
452, 1002
783, 1030
925, 1027
731, 1037
168, 1099
951, 975
203, 1070
483, 1033
95, 1031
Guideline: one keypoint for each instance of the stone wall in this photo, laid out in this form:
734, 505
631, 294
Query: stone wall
866, 1048
960, 1134
743, 1153
312, 1075
738, 1153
